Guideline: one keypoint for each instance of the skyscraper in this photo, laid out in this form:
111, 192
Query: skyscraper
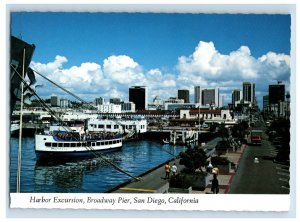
276, 93
236, 96
210, 97
139, 96
197, 94
248, 92
184, 94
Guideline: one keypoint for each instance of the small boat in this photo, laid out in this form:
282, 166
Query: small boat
64, 143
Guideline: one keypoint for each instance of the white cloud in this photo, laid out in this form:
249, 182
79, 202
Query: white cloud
206, 67
122, 69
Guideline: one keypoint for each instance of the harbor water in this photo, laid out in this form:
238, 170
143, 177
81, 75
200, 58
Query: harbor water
89, 175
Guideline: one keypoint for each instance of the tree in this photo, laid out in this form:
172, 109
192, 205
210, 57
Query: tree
193, 159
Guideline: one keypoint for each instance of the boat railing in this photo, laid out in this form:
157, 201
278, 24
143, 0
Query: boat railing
85, 137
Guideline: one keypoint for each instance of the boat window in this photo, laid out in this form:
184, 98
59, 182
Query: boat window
98, 143
116, 126
106, 142
79, 144
54, 144
88, 143
48, 144
66, 144
93, 144
73, 144
100, 126
60, 144
108, 126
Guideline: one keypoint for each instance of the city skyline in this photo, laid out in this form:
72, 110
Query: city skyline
164, 52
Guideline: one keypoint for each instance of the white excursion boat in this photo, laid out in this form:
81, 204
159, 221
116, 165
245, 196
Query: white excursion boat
60, 142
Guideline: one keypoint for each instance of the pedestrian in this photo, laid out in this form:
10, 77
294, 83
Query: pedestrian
209, 167
174, 169
215, 185
167, 168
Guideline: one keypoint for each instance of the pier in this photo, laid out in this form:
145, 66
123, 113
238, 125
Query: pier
154, 180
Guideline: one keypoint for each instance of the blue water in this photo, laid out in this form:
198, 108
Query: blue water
89, 175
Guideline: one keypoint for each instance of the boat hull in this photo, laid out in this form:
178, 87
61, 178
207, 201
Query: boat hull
47, 146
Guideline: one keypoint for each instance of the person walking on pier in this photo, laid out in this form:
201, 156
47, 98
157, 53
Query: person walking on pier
168, 169
174, 169
215, 185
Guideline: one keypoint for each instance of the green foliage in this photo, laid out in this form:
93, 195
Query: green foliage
222, 147
216, 160
193, 158
239, 130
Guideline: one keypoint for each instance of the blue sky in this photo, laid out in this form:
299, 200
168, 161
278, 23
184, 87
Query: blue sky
105, 53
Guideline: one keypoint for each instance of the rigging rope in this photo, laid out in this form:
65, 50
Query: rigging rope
88, 147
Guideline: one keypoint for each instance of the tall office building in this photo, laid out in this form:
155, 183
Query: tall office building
184, 94
139, 96
210, 97
236, 96
99, 101
55, 101
276, 93
249, 92
197, 94
265, 103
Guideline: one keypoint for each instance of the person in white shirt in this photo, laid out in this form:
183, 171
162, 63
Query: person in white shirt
174, 169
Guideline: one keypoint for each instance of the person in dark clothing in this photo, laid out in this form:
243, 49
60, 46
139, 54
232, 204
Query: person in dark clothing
215, 185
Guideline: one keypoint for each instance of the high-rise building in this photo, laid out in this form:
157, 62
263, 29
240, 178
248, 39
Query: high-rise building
184, 94
99, 101
64, 103
139, 96
197, 94
210, 97
128, 107
249, 92
276, 93
265, 103
236, 96
55, 101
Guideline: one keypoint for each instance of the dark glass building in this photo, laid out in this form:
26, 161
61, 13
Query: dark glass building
184, 94
276, 93
138, 95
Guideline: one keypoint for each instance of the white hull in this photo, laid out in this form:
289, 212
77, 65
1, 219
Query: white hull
48, 145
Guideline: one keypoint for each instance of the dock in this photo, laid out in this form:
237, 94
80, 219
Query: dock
154, 180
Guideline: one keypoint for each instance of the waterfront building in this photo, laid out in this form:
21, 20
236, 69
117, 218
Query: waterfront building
127, 107
184, 94
55, 101
197, 94
178, 106
139, 96
99, 101
64, 103
109, 108
174, 100
115, 101
236, 97
249, 92
208, 115
210, 97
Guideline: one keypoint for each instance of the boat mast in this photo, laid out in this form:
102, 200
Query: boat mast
20, 131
